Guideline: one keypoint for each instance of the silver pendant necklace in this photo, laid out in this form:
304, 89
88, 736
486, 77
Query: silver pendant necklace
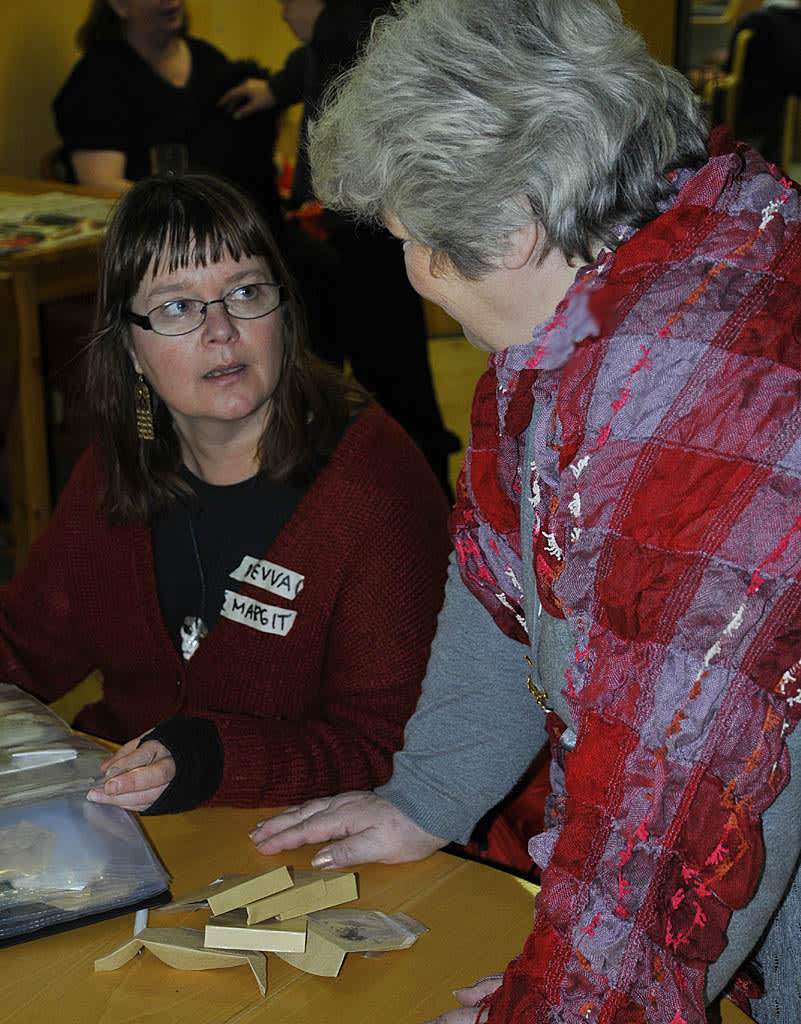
194, 628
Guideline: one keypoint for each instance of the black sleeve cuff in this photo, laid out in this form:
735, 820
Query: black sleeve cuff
199, 757
287, 83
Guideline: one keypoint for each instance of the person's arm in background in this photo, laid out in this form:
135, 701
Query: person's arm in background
287, 83
473, 734
330, 35
92, 115
256, 93
42, 611
44, 648
104, 168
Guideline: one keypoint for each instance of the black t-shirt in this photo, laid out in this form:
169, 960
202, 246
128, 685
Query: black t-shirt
114, 100
196, 545
225, 523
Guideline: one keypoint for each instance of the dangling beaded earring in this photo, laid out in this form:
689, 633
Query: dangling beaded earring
144, 412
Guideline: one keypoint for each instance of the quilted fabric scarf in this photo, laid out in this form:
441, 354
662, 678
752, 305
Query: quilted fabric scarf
666, 487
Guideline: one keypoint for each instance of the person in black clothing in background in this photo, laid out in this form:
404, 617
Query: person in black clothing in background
387, 342
144, 99
772, 72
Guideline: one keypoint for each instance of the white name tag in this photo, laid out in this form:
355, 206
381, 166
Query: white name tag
269, 576
267, 618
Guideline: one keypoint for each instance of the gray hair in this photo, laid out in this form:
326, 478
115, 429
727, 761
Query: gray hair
460, 110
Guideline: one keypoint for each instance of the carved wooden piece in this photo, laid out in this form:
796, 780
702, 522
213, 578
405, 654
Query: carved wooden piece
183, 949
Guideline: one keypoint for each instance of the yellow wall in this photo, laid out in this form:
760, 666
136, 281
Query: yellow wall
656, 21
37, 50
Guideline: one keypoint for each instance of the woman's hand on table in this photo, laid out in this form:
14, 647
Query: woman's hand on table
249, 97
136, 776
471, 998
367, 828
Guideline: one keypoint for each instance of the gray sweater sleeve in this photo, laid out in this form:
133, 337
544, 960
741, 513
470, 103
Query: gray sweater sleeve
781, 831
476, 727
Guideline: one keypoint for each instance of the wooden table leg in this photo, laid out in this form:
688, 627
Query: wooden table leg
29, 474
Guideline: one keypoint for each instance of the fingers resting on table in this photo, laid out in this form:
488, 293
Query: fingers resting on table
473, 999
363, 825
136, 776
464, 1015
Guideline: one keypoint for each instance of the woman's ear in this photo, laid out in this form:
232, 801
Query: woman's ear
523, 244
134, 358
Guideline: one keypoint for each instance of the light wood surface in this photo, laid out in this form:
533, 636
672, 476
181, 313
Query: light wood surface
477, 918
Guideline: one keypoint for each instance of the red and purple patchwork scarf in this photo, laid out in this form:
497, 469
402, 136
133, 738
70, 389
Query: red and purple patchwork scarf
666, 492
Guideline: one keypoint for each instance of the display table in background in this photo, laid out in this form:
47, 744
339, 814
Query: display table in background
40, 262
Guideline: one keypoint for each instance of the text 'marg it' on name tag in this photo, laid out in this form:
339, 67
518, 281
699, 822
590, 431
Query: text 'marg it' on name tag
269, 576
267, 618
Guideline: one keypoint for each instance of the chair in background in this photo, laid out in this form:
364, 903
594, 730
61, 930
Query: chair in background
791, 131
54, 166
724, 15
711, 27
721, 95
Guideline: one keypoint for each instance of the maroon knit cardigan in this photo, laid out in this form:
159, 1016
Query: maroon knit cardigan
317, 711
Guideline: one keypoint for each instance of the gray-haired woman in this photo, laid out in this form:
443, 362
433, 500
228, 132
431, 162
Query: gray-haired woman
628, 512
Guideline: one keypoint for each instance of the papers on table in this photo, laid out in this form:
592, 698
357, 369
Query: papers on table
49, 219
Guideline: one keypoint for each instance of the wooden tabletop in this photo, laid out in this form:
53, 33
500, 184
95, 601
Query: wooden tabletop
35, 186
478, 918
64, 269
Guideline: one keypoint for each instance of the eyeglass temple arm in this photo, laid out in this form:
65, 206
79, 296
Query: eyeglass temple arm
139, 320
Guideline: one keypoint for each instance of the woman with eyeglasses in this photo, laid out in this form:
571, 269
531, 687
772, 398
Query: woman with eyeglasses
252, 553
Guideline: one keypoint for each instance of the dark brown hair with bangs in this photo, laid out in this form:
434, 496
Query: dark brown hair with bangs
102, 23
195, 220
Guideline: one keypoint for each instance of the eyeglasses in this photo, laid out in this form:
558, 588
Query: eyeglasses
180, 316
